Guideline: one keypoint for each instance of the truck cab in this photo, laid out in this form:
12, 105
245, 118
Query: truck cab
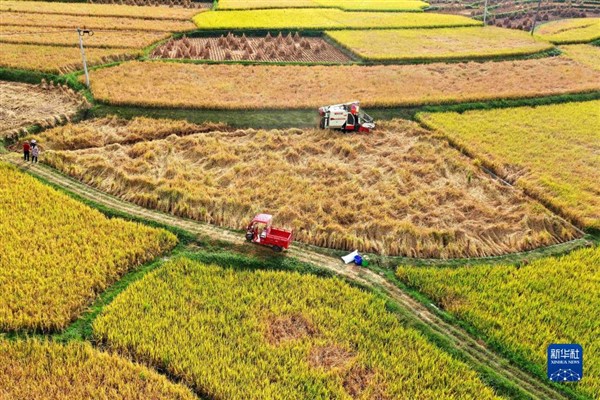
346, 117
261, 231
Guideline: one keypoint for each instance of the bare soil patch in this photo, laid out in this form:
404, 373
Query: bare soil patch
329, 356
292, 47
23, 104
358, 379
288, 327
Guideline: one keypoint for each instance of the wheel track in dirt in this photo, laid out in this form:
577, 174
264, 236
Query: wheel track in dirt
473, 350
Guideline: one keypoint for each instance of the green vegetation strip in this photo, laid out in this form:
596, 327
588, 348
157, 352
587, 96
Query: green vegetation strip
268, 119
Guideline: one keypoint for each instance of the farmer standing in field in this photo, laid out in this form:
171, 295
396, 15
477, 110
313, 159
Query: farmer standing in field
35, 152
26, 149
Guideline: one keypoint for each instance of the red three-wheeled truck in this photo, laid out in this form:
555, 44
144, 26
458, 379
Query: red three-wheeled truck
260, 231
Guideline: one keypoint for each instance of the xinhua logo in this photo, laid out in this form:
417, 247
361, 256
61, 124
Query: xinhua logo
565, 362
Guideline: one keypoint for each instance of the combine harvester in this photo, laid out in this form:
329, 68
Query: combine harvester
346, 117
261, 232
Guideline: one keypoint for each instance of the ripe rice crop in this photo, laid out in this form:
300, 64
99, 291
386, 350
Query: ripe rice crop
277, 335
97, 10
438, 44
35, 369
60, 36
583, 53
550, 151
314, 18
231, 47
565, 31
109, 130
398, 191
354, 5
109, 23
524, 309
153, 3
24, 105
157, 84
57, 59
58, 254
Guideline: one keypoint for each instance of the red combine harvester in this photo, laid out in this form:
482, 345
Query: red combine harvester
261, 232
346, 117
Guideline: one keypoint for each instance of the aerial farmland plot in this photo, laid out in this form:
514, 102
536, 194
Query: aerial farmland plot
583, 53
317, 19
81, 253
42, 36
50, 370
65, 37
354, 5
25, 105
438, 44
493, 297
299, 199
58, 59
270, 87
569, 31
565, 174
97, 10
321, 168
280, 48
327, 333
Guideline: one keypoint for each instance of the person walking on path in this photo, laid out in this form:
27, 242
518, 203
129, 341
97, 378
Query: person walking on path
35, 152
26, 148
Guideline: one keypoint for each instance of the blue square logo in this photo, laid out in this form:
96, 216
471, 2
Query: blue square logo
565, 362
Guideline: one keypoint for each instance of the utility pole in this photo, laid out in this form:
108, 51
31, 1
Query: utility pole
80, 33
485, 12
536, 16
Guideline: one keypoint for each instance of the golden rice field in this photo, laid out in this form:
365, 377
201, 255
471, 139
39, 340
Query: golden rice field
524, 309
277, 335
60, 36
39, 369
158, 84
565, 31
583, 53
398, 191
57, 59
353, 5
314, 18
58, 254
109, 130
110, 23
97, 10
438, 44
553, 152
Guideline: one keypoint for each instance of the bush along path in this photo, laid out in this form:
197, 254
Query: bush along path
517, 383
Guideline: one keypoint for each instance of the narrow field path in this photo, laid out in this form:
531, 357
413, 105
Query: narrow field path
476, 352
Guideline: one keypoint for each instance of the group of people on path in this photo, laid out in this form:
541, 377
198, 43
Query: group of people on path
31, 147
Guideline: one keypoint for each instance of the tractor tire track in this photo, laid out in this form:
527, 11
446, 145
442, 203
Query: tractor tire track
476, 352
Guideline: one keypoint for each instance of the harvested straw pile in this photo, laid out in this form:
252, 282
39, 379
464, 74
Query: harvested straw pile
290, 47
